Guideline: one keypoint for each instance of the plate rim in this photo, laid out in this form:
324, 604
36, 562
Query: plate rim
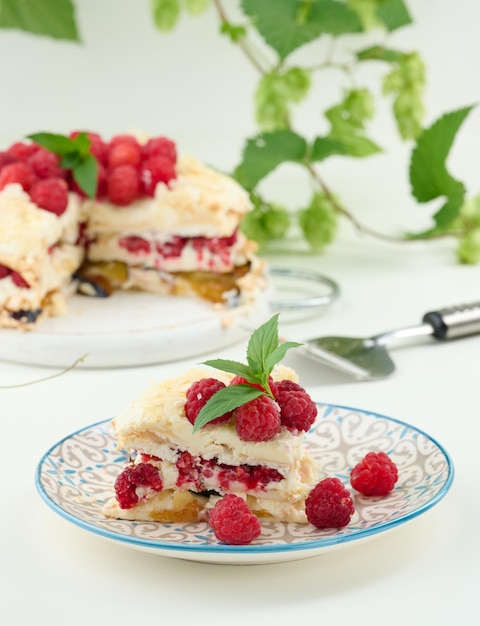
320, 543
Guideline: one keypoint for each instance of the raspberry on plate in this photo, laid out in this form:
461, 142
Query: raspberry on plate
375, 475
258, 420
233, 522
329, 504
198, 394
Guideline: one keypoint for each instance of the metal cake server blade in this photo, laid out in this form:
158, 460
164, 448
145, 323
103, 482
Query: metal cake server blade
368, 358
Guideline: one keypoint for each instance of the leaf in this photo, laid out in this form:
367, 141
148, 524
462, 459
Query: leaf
378, 53
85, 174
263, 153
165, 13
75, 155
394, 14
429, 177
223, 401
48, 18
324, 147
227, 365
277, 355
233, 32
289, 24
60, 144
263, 341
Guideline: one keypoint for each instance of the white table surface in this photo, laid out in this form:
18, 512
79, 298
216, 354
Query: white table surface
59, 573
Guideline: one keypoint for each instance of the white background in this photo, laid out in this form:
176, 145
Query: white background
197, 88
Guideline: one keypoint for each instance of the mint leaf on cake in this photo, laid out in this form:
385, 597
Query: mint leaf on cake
264, 351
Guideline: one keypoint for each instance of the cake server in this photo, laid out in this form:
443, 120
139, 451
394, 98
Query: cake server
368, 358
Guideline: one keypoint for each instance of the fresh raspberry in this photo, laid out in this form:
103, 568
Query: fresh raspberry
51, 195
4, 271
160, 146
46, 164
98, 147
22, 151
123, 185
6, 159
19, 281
124, 154
156, 169
239, 380
132, 483
375, 475
198, 395
329, 504
135, 244
117, 139
258, 420
233, 522
18, 172
297, 409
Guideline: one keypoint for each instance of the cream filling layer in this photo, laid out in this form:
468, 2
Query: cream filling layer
199, 202
54, 274
191, 257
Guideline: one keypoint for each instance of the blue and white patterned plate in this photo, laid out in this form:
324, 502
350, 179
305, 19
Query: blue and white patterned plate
75, 477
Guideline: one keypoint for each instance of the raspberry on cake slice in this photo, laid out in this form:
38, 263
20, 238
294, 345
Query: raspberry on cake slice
204, 435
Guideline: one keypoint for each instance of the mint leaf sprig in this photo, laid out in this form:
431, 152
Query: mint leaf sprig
75, 155
264, 351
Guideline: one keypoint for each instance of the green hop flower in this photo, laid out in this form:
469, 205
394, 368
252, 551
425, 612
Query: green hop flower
319, 222
468, 250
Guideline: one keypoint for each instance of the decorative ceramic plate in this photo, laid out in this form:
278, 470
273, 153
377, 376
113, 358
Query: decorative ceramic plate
132, 328
75, 477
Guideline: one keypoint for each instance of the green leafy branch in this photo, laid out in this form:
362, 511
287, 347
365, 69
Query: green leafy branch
268, 33
284, 27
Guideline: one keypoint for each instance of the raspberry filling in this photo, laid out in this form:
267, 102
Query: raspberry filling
17, 279
202, 474
174, 247
139, 481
